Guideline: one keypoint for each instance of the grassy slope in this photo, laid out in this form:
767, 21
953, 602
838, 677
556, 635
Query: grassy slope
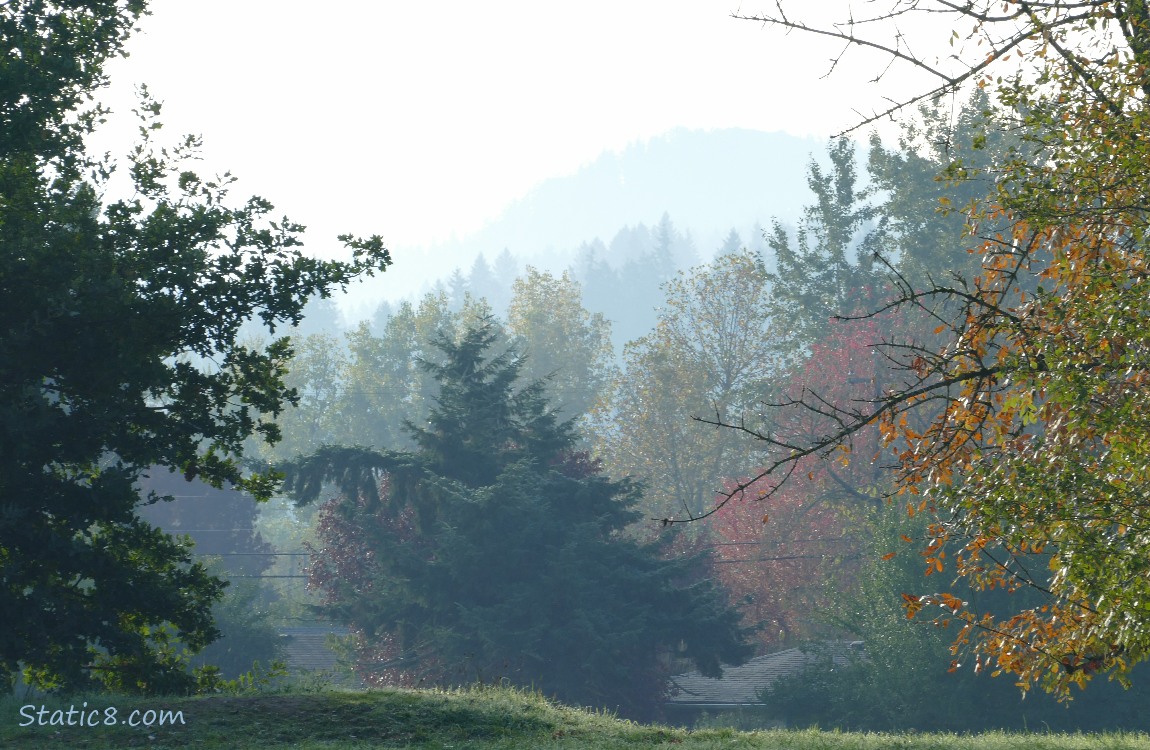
472, 719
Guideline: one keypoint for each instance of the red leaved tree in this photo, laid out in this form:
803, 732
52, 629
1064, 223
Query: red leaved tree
782, 548
349, 576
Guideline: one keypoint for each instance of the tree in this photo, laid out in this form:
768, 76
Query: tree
562, 342
898, 679
383, 385
1034, 460
118, 352
492, 551
732, 243
505, 266
776, 564
483, 284
672, 250
246, 634
898, 676
626, 289
924, 243
317, 372
818, 277
717, 343
781, 544
602, 288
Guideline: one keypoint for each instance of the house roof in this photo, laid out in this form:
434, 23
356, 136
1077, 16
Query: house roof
741, 685
305, 648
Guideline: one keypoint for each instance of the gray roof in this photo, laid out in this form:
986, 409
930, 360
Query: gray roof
741, 685
306, 650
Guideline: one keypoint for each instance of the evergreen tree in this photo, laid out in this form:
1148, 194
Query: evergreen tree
603, 289
506, 270
492, 552
926, 244
457, 290
481, 281
666, 238
732, 243
829, 269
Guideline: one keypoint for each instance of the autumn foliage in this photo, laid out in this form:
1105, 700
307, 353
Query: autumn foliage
778, 569
1037, 462
783, 548
1019, 419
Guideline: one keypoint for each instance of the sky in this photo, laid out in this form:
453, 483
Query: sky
423, 121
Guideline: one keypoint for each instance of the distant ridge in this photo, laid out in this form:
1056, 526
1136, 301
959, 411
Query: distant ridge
708, 181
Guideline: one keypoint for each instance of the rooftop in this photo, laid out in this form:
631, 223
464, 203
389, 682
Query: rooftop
740, 686
306, 650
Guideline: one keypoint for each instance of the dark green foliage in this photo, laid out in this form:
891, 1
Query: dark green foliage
902, 681
118, 352
829, 269
941, 166
246, 636
54, 57
905, 223
493, 552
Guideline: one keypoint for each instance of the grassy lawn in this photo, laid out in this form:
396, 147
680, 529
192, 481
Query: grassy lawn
480, 719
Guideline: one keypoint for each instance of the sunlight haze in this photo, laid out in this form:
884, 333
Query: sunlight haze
423, 122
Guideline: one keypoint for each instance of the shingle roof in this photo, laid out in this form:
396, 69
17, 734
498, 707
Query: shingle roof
741, 685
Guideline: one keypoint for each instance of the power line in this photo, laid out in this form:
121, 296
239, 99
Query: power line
783, 557
826, 540
264, 554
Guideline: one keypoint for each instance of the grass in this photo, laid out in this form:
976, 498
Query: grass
483, 719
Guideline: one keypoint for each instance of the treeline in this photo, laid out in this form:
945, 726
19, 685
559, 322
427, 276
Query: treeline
621, 279
680, 409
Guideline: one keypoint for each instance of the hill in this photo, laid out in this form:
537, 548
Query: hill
708, 182
479, 718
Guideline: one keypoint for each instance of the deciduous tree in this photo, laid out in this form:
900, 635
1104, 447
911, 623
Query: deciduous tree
562, 341
118, 352
717, 343
1035, 458
781, 544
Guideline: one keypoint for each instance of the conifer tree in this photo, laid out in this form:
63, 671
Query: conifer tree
491, 552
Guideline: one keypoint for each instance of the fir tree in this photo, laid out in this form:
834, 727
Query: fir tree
492, 552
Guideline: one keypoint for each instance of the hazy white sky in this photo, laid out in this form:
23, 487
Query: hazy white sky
419, 120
